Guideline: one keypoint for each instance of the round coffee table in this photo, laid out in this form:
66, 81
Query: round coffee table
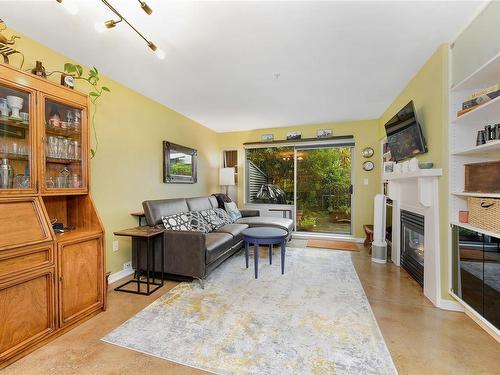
265, 236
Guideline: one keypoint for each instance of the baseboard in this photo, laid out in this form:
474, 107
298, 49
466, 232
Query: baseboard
476, 317
450, 305
323, 236
114, 277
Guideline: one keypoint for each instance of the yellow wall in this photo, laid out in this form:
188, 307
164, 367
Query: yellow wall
128, 166
429, 92
365, 134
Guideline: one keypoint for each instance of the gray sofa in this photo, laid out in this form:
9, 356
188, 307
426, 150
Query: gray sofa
195, 254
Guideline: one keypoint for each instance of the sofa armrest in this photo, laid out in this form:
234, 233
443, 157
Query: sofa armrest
185, 253
250, 213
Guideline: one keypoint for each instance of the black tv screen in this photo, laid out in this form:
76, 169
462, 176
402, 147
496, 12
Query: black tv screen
404, 134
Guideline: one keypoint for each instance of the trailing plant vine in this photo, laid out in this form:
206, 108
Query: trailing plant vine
76, 71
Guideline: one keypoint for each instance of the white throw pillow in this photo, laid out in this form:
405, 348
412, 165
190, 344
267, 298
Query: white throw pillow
232, 211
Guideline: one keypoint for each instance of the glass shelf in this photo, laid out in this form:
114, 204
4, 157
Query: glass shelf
15, 139
63, 146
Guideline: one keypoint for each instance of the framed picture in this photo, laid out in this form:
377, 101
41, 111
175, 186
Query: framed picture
293, 136
267, 137
324, 133
179, 164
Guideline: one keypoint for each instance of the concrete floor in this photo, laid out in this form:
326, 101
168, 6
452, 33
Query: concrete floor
421, 338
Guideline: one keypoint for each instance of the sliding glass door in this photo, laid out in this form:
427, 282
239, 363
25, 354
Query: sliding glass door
323, 189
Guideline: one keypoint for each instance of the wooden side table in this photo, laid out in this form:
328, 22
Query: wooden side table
139, 216
146, 234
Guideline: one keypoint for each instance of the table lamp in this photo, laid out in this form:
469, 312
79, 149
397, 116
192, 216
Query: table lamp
226, 177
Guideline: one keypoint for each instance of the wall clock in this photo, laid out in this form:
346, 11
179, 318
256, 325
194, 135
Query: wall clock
367, 152
368, 165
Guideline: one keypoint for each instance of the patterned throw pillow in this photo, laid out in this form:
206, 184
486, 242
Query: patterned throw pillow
198, 222
232, 211
180, 221
226, 219
212, 218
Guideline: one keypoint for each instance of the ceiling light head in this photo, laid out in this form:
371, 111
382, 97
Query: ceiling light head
158, 52
101, 27
109, 24
146, 8
69, 5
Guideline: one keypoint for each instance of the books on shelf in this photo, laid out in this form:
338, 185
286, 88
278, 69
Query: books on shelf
479, 97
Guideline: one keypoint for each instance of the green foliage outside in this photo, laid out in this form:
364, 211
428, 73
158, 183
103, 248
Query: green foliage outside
323, 179
180, 169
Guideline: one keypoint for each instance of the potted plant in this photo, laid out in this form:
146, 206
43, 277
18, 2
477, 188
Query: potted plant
308, 223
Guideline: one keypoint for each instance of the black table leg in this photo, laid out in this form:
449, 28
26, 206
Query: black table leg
271, 254
148, 248
162, 260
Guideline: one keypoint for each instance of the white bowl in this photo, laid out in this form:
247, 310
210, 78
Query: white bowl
15, 102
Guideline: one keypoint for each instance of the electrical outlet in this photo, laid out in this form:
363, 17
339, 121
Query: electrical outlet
115, 245
365, 181
127, 265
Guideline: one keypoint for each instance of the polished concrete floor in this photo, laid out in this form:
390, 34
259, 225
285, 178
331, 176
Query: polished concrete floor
421, 338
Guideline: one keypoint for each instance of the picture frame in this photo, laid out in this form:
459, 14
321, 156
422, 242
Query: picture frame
292, 136
324, 133
179, 164
267, 137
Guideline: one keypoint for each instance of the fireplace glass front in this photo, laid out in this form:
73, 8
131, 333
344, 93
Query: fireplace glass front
412, 245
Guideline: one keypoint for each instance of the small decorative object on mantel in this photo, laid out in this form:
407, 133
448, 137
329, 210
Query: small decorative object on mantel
367, 152
368, 166
6, 44
388, 166
324, 133
267, 137
425, 165
39, 70
293, 136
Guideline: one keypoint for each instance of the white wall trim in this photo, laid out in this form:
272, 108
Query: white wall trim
114, 277
326, 236
450, 305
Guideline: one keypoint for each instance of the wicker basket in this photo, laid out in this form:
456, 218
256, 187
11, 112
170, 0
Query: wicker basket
484, 213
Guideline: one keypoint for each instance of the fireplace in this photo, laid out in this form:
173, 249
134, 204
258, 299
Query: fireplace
412, 245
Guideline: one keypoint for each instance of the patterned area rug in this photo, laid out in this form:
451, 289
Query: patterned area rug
315, 319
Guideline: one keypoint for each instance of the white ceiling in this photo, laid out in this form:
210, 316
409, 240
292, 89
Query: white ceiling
336, 61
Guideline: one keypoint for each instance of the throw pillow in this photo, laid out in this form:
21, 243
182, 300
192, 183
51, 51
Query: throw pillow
232, 211
212, 218
180, 221
223, 215
199, 223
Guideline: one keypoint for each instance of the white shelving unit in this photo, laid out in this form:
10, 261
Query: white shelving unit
463, 150
463, 132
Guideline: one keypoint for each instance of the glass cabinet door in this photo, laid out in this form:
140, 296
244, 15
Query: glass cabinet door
470, 257
64, 147
492, 280
16, 140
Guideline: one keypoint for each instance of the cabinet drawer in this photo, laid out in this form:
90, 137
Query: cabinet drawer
17, 261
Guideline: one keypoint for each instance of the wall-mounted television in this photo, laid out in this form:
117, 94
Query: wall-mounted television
404, 134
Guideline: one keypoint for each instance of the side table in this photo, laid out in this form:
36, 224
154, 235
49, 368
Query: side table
144, 234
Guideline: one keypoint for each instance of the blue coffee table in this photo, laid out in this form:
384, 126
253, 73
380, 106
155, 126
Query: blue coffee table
265, 236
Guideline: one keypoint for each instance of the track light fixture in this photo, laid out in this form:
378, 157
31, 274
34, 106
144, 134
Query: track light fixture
145, 7
101, 27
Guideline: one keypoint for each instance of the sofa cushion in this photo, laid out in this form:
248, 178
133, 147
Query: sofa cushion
199, 203
217, 244
267, 221
155, 209
235, 230
181, 221
212, 219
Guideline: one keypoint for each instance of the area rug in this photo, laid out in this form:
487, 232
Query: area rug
333, 244
314, 319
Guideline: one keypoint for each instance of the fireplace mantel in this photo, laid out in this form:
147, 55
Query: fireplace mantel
418, 192
425, 178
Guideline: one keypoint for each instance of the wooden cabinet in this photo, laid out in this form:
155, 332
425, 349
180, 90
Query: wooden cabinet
49, 281
80, 278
